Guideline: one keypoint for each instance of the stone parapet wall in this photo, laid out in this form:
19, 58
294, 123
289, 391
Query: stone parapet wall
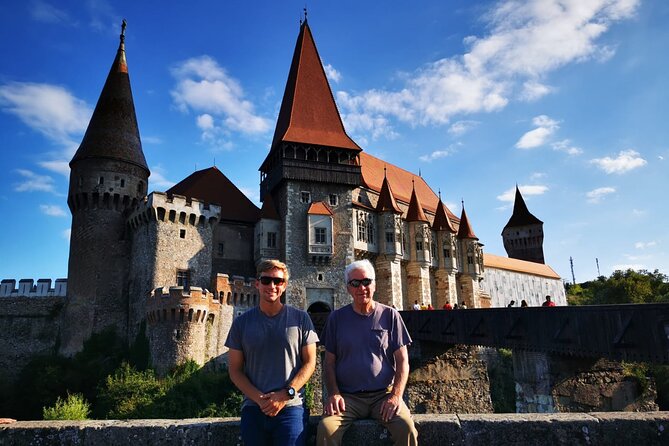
27, 288
648, 429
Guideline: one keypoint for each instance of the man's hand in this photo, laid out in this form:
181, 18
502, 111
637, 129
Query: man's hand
272, 403
335, 405
390, 407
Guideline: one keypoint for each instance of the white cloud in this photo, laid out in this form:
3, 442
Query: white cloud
332, 74
204, 87
66, 234
34, 183
625, 161
510, 194
596, 195
537, 175
462, 127
566, 146
52, 210
436, 155
538, 137
251, 193
525, 41
152, 140
44, 12
59, 166
158, 180
644, 245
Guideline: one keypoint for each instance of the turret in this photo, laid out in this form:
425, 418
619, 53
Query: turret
420, 249
523, 234
108, 177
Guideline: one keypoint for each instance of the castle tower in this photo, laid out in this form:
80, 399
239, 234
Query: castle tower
388, 263
471, 263
420, 242
444, 275
311, 160
108, 177
523, 234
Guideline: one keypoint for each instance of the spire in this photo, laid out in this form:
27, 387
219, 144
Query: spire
387, 201
308, 111
441, 221
521, 215
465, 229
415, 211
113, 132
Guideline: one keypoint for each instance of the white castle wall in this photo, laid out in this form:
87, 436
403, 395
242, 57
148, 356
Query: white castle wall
28, 288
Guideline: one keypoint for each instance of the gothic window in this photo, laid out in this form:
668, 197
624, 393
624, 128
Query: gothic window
470, 260
333, 199
370, 230
447, 250
183, 278
390, 237
433, 249
320, 237
271, 239
305, 197
362, 228
419, 244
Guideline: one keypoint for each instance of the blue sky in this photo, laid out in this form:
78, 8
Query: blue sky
568, 99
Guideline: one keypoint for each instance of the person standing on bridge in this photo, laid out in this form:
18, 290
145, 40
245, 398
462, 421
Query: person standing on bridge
366, 363
548, 302
272, 355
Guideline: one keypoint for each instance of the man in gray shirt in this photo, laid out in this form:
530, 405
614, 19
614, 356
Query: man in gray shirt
272, 355
366, 363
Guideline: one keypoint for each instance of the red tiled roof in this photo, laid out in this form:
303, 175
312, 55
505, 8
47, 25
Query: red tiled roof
538, 269
211, 186
308, 111
441, 221
521, 215
465, 230
319, 208
386, 199
415, 211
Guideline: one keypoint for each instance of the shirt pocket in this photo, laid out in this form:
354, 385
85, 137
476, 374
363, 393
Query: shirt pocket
379, 340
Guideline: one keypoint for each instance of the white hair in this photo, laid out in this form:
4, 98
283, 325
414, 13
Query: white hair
364, 265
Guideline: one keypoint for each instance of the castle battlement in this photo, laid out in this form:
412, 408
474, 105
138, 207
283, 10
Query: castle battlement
179, 305
175, 209
238, 291
28, 288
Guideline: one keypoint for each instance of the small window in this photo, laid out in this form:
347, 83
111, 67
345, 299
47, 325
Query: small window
271, 239
334, 199
182, 233
122, 182
183, 278
419, 245
447, 253
101, 180
221, 249
320, 236
390, 237
305, 197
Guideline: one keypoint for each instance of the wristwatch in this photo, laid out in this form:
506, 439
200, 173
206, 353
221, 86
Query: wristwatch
291, 392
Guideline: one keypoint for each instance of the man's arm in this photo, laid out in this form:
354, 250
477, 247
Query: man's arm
391, 405
277, 400
239, 378
335, 403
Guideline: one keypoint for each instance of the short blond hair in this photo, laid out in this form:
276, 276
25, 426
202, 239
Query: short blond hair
268, 265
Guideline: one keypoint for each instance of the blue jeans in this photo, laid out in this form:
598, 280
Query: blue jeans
286, 428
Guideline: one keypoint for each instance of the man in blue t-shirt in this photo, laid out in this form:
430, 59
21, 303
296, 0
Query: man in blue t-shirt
272, 355
366, 363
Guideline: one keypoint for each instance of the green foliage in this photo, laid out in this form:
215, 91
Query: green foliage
639, 371
621, 287
129, 393
74, 407
502, 383
309, 396
661, 375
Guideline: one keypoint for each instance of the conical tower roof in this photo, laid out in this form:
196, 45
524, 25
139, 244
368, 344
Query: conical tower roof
308, 111
465, 230
387, 201
441, 221
415, 211
211, 186
521, 215
112, 132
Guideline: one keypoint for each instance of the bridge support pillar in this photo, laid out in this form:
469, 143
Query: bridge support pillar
558, 383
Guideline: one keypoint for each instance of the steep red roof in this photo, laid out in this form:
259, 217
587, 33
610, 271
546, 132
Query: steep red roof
211, 186
112, 131
386, 199
465, 230
415, 211
308, 111
521, 215
441, 221
319, 208
268, 209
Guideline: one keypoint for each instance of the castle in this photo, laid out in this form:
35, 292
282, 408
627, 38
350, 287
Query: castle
177, 266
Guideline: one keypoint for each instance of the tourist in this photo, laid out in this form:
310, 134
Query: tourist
523, 303
463, 305
430, 307
455, 306
511, 304
548, 302
448, 306
366, 363
272, 355
416, 305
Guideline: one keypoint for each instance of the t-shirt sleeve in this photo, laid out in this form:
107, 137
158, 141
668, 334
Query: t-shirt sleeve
400, 334
309, 332
234, 340
330, 335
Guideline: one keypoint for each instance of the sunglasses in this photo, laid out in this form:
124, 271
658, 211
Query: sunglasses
266, 280
355, 283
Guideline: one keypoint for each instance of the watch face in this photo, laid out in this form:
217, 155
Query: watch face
291, 392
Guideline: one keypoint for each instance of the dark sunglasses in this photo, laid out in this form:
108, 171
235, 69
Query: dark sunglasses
355, 283
266, 280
